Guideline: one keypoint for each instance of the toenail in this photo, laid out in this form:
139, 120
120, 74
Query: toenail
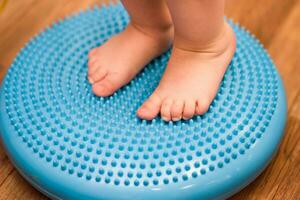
142, 109
165, 119
176, 119
91, 80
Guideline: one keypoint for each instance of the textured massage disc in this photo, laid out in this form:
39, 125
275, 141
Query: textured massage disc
70, 144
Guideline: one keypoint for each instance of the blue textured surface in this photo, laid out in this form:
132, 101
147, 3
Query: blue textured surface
71, 144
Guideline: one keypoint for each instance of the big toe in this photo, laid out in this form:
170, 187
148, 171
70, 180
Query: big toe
202, 106
97, 75
150, 108
107, 86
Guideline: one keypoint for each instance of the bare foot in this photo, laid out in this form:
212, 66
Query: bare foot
117, 61
191, 80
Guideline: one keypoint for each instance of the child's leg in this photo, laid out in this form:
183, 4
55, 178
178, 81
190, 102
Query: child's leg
117, 61
203, 47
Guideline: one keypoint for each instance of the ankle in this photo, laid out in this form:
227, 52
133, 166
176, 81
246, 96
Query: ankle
164, 32
216, 45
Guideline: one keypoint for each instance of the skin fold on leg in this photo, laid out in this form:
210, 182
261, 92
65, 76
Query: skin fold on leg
203, 47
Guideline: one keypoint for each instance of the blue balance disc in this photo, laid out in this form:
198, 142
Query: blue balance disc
71, 144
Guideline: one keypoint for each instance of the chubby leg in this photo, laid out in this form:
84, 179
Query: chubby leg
117, 61
203, 47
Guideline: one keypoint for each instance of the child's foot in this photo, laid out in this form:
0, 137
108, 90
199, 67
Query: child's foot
117, 61
191, 80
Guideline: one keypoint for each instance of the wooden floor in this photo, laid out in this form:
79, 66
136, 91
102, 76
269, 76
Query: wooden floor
275, 22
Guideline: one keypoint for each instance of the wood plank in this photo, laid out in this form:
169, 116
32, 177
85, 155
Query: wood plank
288, 187
289, 177
17, 188
6, 169
5, 166
21, 20
274, 22
284, 48
262, 18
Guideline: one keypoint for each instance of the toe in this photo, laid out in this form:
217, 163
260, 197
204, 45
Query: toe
93, 66
202, 106
176, 110
91, 63
189, 109
107, 86
98, 75
165, 110
92, 53
150, 107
